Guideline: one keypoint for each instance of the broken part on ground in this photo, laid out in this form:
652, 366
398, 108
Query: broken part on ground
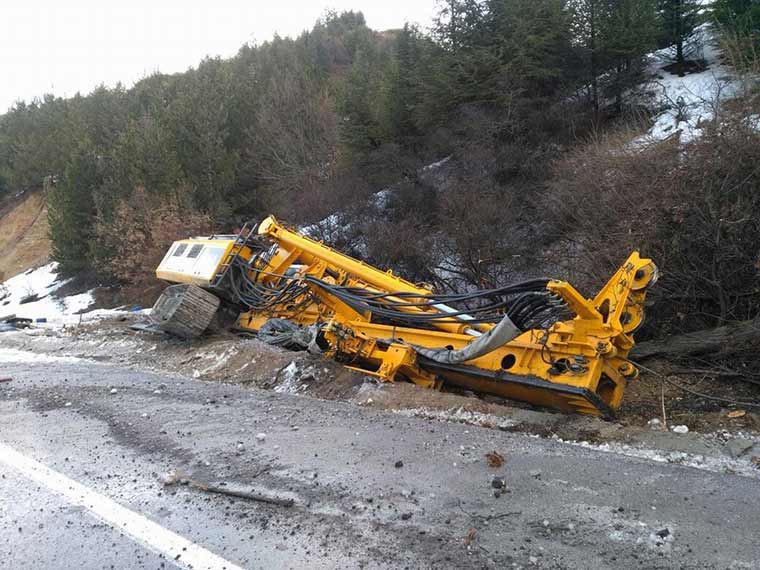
539, 341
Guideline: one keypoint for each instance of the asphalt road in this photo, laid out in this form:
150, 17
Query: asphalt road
84, 449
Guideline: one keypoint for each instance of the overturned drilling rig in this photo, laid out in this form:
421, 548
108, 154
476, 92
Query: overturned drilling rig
538, 341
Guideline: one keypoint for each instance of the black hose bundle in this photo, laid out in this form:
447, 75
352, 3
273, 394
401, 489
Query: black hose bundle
528, 304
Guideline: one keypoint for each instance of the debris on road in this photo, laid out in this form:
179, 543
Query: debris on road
6, 379
470, 536
261, 437
495, 459
177, 477
171, 478
241, 494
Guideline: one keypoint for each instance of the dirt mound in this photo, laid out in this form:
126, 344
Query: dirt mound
24, 241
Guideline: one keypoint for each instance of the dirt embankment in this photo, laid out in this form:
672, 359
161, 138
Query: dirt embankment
24, 241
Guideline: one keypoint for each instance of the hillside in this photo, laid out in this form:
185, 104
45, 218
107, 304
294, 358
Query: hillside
563, 137
24, 240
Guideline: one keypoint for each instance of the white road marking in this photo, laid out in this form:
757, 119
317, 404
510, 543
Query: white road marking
175, 548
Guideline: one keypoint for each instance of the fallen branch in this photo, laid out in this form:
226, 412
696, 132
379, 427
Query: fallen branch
251, 496
725, 339
177, 477
719, 372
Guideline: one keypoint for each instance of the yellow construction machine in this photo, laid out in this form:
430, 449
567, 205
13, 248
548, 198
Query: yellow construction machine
539, 341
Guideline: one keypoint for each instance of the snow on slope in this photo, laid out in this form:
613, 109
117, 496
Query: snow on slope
686, 103
42, 282
334, 226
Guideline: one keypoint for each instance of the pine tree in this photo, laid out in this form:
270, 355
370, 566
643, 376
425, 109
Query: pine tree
679, 18
630, 32
740, 18
71, 213
613, 36
359, 105
535, 42
401, 84
459, 23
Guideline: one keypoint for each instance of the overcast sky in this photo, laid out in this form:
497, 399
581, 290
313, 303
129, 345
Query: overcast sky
65, 46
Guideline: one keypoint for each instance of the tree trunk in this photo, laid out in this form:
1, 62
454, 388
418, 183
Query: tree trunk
725, 339
679, 36
592, 45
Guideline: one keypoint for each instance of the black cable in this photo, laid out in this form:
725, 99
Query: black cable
527, 303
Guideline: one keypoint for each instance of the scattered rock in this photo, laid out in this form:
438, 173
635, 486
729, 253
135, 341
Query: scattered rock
68, 404
655, 423
535, 473
261, 436
170, 478
662, 539
498, 483
406, 516
114, 391
680, 429
738, 447
399, 464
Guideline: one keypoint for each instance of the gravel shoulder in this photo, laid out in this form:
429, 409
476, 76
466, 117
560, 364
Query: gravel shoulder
717, 442
562, 506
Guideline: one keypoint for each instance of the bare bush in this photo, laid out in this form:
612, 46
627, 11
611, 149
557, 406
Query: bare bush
694, 208
138, 235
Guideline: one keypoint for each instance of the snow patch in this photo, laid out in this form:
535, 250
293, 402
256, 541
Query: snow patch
217, 361
53, 312
334, 226
687, 103
459, 415
289, 383
713, 464
15, 356
41, 283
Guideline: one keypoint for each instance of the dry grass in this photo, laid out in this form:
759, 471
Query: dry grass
24, 240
